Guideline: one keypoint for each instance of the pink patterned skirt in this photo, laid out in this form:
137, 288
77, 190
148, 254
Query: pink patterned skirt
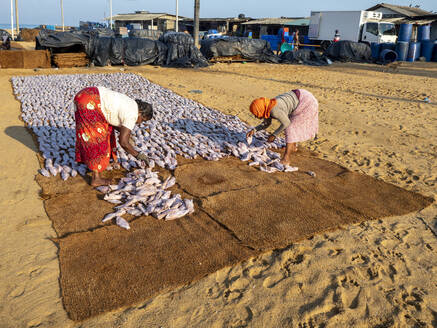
304, 119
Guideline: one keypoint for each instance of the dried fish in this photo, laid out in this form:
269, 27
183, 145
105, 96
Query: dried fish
103, 189
64, 175
44, 172
109, 217
122, 223
114, 201
288, 168
175, 214
170, 182
112, 196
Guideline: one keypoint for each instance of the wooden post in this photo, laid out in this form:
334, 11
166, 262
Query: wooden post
196, 22
62, 14
110, 12
177, 16
16, 17
12, 20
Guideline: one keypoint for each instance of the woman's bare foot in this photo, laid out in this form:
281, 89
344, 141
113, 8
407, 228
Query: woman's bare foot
97, 180
100, 182
289, 149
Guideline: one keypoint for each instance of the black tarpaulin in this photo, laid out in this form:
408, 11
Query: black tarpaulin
251, 49
349, 51
303, 56
181, 51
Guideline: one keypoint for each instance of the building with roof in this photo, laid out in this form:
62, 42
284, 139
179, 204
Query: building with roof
230, 25
165, 22
147, 20
271, 26
406, 14
395, 11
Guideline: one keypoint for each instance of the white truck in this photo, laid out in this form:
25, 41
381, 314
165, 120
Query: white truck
358, 26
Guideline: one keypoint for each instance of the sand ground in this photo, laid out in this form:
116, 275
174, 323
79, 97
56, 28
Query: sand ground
376, 274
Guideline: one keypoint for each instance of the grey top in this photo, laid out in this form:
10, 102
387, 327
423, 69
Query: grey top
286, 104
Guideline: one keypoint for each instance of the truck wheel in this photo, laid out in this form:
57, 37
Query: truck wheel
325, 45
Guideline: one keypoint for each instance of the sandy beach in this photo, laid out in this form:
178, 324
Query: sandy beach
378, 273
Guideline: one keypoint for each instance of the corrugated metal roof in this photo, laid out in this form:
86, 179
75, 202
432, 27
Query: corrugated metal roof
407, 20
299, 22
143, 17
218, 19
403, 10
279, 21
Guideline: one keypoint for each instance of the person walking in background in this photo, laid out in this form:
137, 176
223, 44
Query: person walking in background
296, 39
336, 36
298, 113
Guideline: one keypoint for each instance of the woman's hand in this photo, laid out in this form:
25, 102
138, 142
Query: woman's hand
271, 138
123, 140
250, 133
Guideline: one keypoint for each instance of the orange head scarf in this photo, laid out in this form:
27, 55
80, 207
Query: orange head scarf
262, 107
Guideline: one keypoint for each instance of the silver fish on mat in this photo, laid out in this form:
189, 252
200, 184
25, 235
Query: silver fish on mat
122, 223
289, 168
104, 189
175, 214
44, 172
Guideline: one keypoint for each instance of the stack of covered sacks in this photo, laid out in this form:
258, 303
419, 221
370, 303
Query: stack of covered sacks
349, 51
304, 56
181, 51
172, 49
129, 51
72, 41
250, 49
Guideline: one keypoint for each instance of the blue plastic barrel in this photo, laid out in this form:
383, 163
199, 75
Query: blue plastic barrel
413, 51
383, 46
375, 48
427, 46
434, 53
405, 32
275, 41
306, 40
388, 56
418, 51
402, 50
423, 32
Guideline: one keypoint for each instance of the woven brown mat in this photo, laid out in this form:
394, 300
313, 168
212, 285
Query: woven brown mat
240, 212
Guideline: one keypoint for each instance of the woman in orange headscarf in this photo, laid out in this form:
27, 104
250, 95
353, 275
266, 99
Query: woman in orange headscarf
297, 111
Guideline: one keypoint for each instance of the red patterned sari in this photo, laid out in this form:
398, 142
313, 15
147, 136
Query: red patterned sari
95, 138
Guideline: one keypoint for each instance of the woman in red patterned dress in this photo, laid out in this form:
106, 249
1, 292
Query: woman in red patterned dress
100, 111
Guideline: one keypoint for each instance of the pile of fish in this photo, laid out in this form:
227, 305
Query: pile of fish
180, 126
141, 192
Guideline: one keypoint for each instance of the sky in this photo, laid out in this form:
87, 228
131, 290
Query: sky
49, 11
